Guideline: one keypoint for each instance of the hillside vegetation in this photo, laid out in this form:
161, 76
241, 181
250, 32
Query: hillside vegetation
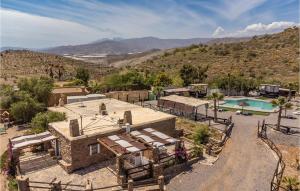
269, 58
20, 63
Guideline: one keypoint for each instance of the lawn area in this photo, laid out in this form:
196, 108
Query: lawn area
249, 111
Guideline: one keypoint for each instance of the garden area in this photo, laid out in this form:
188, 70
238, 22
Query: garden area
200, 135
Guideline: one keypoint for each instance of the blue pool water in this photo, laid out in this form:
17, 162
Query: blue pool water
253, 104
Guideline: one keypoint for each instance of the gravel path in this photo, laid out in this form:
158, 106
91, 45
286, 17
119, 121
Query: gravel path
245, 163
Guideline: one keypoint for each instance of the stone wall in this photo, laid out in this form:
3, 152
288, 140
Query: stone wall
75, 154
81, 153
65, 145
54, 97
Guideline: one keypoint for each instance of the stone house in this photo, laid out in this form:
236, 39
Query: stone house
77, 138
63, 92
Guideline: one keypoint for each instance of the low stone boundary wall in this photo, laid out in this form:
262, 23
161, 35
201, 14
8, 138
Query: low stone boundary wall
24, 184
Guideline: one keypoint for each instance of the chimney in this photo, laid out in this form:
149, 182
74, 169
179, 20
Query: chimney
127, 117
102, 109
74, 128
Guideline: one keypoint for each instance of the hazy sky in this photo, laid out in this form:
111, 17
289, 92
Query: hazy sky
44, 23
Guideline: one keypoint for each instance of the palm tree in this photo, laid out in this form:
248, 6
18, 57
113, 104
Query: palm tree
215, 96
157, 90
243, 104
280, 102
291, 183
287, 106
220, 97
290, 85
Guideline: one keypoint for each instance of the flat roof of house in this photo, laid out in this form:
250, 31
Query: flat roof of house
269, 85
198, 84
94, 123
177, 90
185, 100
68, 90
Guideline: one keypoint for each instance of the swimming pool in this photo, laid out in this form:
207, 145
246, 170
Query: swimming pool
252, 104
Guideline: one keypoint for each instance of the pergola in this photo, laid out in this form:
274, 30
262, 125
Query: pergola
181, 104
16, 144
122, 144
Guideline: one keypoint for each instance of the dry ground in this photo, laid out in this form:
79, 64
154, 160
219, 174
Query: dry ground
11, 132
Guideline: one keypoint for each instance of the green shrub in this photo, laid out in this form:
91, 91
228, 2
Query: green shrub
3, 161
24, 111
12, 184
197, 151
201, 135
40, 122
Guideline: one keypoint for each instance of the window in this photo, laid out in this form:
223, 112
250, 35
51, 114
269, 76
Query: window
94, 149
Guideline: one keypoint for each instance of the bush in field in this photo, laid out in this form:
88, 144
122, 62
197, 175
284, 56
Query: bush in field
40, 122
201, 135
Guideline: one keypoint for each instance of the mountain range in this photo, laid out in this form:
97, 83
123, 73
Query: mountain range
132, 45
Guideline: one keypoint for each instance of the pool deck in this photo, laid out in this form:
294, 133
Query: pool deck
247, 107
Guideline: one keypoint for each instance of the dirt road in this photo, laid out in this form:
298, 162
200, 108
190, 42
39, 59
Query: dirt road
246, 163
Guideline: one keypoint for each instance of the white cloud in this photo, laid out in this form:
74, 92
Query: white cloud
230, 9
218, 32
256, 29
32, 31
65, 23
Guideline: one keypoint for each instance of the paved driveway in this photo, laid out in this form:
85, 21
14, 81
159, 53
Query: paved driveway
245, 163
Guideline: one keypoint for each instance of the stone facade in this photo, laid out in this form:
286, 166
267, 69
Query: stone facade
75, 153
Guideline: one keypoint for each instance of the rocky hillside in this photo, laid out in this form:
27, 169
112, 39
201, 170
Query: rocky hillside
132, 45
270, 58
17, 63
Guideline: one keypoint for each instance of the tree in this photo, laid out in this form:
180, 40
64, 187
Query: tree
162, 80
41, 120
215, 96
38, 88
83, 74
24, 111
200, 74
157, 90
280, 102
287, 106
186, 73
191, 74
220, 97
291, 183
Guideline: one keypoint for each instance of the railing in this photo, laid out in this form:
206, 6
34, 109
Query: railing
192, 116
277, 176
167, 161
27, 184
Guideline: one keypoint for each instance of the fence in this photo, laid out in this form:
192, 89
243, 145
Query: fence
139, 172
192, 116
167, 161
24, 184
277, 176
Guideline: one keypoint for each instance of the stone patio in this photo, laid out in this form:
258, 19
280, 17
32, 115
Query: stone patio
99, 174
